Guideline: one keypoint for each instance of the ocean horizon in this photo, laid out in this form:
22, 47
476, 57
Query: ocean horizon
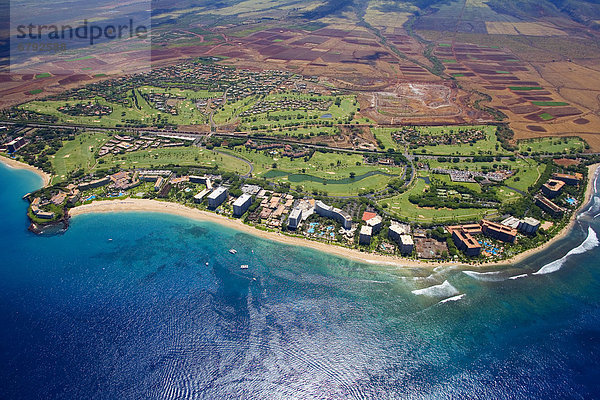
134, 305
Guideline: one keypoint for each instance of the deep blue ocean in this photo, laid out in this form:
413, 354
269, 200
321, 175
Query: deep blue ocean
142, 316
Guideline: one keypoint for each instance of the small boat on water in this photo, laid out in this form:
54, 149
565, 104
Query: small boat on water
244, 266
232, 251
206, 263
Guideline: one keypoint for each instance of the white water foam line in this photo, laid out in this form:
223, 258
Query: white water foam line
453, 298
588, 244
443, 290
492, 276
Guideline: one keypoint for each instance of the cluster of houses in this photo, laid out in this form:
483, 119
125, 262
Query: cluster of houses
552, 189
273, 208
418, 138
457, 175
164, 102
214, 102
125, 143
266, 106
90, 109
288, 150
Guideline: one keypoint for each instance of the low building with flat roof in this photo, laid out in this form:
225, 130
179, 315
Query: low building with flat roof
217, 197
198, 197
366, 233
241, 204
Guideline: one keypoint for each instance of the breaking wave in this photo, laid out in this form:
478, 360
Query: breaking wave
453, 298
518, 276
443, 290
492, 276
588, 244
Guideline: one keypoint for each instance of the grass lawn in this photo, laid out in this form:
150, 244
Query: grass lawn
120, 115
400, 207
77, 154
490, 146
552, 145
187, 93
338, 113
321, 167
385, 135
184, 156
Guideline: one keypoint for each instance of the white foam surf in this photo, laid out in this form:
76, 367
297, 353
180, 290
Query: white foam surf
588, 244
453, 298
492, 276
443, 290
518, 276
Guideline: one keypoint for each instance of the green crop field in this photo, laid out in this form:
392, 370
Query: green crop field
550, 103
524, 88
43, 75
546, 116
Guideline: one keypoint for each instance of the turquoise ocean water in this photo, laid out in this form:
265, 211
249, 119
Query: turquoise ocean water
142, 316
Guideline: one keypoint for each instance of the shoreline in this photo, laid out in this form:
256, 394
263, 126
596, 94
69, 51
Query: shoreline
146, 205
593, 171
9, 162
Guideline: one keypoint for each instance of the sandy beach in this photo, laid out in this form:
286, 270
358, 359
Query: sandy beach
19, 165
145, 205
